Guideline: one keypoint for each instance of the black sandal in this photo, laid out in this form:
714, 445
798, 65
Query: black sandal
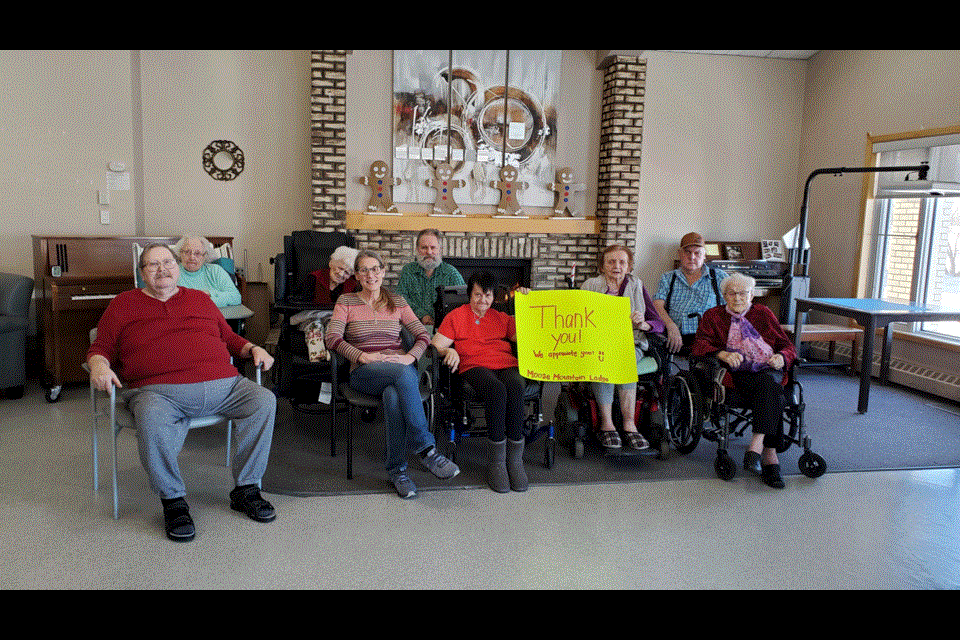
177, 521
248, 500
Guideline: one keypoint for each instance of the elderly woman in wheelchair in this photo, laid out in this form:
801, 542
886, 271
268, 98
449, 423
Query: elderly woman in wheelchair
616, 278
474, 339
755, 351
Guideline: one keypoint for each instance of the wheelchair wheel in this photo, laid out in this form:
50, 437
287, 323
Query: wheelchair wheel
683, 412
580, 434
724, 466
812, 465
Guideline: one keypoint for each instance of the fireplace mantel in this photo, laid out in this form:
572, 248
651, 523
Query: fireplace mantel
471, 223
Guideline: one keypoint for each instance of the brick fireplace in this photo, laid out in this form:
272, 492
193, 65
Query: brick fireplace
552, 256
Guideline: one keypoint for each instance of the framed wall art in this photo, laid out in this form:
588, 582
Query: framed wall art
476, 110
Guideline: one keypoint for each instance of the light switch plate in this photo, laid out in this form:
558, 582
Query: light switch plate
105, 216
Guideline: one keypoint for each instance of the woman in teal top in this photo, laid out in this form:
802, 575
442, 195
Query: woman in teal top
199, 273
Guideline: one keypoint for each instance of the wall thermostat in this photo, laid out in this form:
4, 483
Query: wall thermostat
117, 166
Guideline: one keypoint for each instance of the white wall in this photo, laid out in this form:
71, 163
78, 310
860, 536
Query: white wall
721, 138
66, 114
850, 94
259, 100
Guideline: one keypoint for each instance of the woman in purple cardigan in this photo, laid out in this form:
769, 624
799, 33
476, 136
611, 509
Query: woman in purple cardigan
616, 278
748, 338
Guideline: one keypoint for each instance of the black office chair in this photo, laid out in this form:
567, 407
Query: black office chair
295, 376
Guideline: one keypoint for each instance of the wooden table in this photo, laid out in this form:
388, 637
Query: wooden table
871, 313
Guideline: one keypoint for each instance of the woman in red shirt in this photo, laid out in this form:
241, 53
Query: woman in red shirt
475, 339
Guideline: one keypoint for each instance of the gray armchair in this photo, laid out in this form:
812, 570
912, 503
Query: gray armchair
15, 294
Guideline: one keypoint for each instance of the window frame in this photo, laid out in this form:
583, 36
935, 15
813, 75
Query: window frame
867, 258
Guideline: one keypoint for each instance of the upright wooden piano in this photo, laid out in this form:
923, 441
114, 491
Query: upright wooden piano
76, 277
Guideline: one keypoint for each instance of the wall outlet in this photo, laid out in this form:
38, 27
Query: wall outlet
105, 216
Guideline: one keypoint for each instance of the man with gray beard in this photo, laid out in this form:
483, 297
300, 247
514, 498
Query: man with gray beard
419, 279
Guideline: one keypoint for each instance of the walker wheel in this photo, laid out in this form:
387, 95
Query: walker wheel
812, 465
724, 466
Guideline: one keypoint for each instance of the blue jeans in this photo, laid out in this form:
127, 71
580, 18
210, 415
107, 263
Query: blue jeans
399, 387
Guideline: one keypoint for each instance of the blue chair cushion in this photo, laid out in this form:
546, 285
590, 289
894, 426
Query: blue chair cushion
228, 265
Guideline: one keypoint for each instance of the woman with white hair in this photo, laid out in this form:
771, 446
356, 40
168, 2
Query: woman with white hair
749, 340
337, 279
195, 255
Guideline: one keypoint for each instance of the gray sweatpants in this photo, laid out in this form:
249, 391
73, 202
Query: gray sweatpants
161, 414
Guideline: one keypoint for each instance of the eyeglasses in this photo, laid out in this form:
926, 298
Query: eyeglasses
371, 270
155, 266
198, 254
737, 294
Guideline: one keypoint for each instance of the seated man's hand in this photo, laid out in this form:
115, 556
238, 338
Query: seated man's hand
261, 357
427, 320
102, 376
674, 340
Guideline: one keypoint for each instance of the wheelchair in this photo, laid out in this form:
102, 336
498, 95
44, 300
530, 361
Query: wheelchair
295, 376
726, 413
456, 404
577, 413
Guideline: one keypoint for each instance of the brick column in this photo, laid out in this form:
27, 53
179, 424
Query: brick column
621, 128
328, 146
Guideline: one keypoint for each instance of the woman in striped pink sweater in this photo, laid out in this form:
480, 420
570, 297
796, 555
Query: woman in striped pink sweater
365, 329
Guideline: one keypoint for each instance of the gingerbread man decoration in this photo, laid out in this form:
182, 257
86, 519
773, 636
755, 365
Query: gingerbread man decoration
510, 188
381, 188
564, 190
445, 184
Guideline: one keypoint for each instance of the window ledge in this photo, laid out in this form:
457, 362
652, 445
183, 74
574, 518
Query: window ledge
924, 338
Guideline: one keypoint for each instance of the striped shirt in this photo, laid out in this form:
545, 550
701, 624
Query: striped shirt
355, 328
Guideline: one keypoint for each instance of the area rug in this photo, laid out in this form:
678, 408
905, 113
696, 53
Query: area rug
903, 429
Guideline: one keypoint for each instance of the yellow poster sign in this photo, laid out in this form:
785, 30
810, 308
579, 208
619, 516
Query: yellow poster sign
575, 336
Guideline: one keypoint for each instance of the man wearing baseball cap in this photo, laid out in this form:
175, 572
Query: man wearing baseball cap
686, 293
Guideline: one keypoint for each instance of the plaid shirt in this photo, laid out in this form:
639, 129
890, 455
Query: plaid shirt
419, 291
686, 299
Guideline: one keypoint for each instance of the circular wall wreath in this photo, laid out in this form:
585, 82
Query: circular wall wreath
223, 160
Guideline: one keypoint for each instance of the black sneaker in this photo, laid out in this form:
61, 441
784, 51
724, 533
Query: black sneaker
771, 476
177, 521
248, 500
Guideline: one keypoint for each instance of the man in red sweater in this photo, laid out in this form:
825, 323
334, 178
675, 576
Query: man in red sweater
171, 346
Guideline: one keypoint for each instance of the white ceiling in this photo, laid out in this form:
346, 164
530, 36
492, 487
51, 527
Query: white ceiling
792, 54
